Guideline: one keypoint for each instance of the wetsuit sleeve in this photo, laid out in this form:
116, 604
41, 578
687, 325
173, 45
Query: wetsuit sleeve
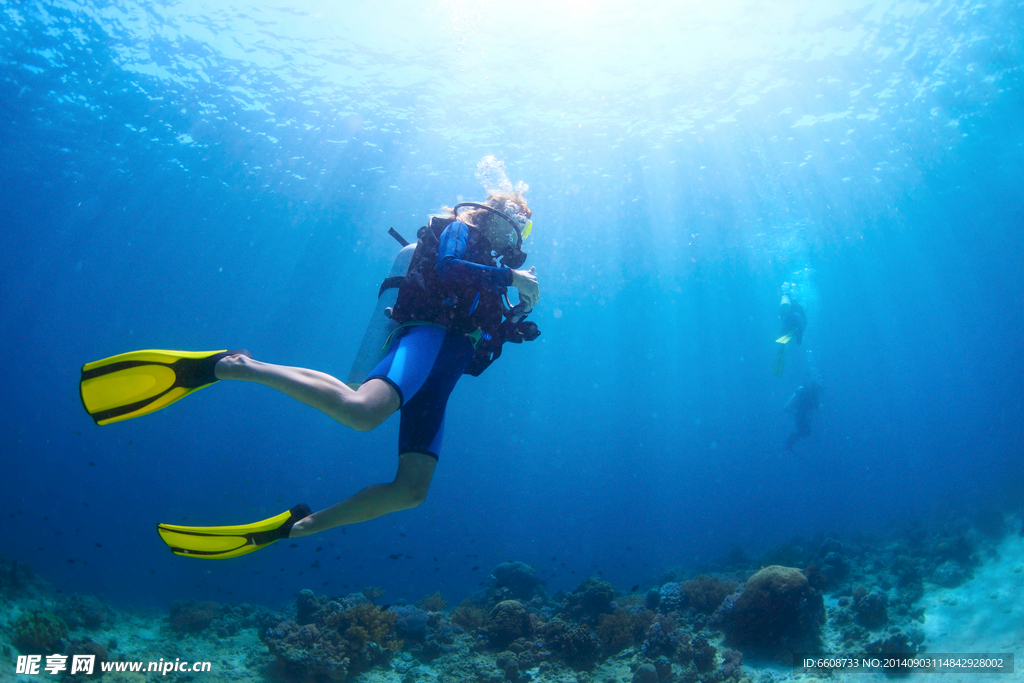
455, 270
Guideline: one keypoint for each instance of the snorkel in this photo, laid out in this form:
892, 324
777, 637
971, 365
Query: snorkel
514, 257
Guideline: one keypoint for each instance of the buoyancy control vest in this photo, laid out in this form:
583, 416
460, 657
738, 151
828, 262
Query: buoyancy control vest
462, 308
413, 293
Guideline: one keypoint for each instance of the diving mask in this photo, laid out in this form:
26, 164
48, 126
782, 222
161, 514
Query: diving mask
514, 257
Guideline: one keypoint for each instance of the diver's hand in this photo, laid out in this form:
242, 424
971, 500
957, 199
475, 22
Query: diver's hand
525, 281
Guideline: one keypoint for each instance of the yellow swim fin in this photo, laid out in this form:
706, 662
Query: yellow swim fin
780, 361
785, 338
141, 382
221, 542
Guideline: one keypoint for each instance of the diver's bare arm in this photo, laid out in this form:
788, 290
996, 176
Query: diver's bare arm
361, 409
409, 489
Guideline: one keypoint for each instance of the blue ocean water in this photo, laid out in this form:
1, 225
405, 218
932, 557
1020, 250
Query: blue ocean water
200, 175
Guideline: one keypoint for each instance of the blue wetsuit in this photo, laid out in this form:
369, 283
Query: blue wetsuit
424, 362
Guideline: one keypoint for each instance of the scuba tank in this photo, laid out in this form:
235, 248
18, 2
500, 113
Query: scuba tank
381, 326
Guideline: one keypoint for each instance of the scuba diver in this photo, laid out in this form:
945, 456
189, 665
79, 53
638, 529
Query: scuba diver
801, 403
450, 317
794, 320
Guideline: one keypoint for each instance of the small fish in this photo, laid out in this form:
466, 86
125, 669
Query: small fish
474, 569
634, 588
394, 557
70, 561
152, 571
402, 535
325, 583
315, 565
97, 545
319, 548
293, 545
92, 464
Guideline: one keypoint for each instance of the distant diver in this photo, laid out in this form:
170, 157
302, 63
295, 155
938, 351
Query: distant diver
449, 316
794, 320
801, 403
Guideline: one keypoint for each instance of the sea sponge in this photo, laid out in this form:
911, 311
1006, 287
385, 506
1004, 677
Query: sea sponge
777, 606
39, 633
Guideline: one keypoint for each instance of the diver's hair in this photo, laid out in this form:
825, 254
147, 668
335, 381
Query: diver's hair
473, 217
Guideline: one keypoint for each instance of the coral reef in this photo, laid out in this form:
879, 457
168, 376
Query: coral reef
190, 616
305, 654
777, 608
85, 612
575, 645
39, 633
15, 577
341, 637
870, 608
663, 637
646, 673
469, 615
623, 628
700, 652
589, 599
432, 603
508, 621
705, 593
519, 581
410, 622
86, 646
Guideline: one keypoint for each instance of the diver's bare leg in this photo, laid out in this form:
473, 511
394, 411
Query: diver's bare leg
409, 489
362, 409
